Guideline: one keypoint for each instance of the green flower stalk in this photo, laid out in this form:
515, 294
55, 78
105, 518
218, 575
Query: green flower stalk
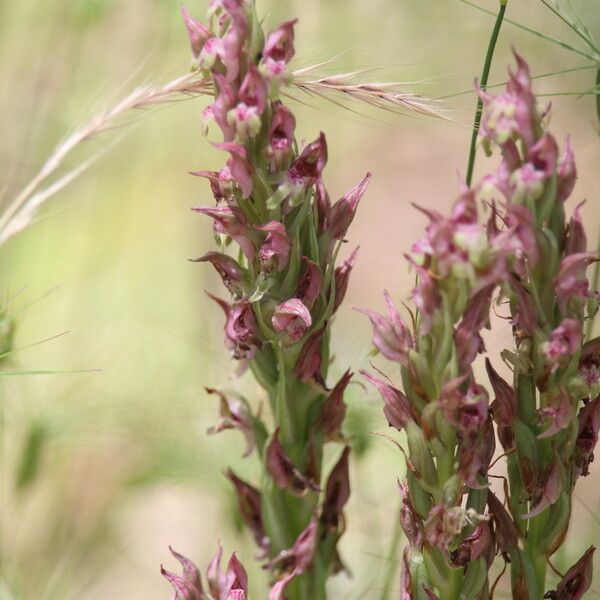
279, 236
525, 253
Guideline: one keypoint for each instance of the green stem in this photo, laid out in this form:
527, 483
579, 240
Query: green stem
598, 94
483, 83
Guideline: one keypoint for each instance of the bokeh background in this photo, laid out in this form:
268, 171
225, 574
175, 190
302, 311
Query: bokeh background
103, 469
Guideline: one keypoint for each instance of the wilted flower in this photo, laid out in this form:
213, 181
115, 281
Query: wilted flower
548, 489
445, 523
308, 365
337, 493
285, 474
410, 520
506, 534
575, 239
249, 504
309, 285
235, 414
342, 276
229, 269
334, 409
504, 408
241, 332
577, 580
479, 543
587, 435
295, 560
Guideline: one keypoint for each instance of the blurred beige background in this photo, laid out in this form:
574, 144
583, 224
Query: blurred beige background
101, 471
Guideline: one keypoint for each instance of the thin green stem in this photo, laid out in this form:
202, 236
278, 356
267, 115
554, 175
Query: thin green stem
598, 95
571, 26
484, 78
541, 76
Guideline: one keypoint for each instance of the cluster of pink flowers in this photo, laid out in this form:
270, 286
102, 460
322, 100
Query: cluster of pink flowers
506, 242
285, 288
524, 256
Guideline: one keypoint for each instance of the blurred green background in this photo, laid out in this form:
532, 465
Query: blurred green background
102, 470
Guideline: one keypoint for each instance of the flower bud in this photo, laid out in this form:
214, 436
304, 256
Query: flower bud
342, 212
575, 239
197, 32
567, 172
293, 317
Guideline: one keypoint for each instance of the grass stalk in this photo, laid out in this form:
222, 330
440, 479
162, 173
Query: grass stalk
483, 83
